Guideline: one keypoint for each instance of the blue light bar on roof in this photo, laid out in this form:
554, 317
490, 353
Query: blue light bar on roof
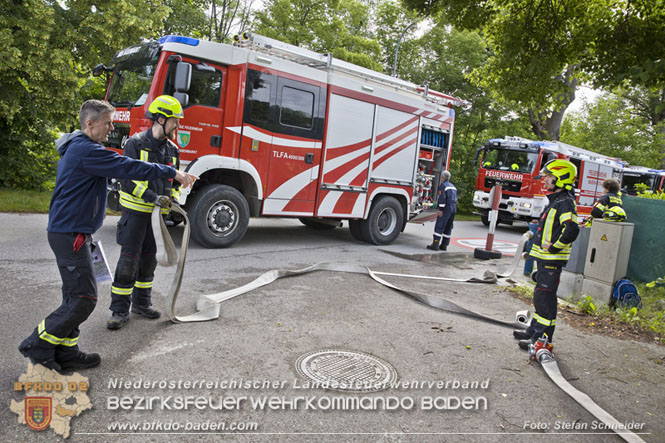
179, 39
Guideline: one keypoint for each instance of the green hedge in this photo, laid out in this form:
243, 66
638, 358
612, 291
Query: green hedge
647, 253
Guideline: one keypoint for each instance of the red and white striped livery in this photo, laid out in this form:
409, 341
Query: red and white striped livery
272, 129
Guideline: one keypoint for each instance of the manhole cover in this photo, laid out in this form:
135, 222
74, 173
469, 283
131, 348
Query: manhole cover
348, 371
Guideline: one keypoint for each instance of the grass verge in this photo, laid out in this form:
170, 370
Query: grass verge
646, 324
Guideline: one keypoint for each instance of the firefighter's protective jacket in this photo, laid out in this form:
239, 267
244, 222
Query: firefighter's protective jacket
558, 227
447, 196
139, 196
607, 201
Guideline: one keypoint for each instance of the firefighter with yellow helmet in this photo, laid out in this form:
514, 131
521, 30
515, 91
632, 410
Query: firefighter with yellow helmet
557, 230
132, 285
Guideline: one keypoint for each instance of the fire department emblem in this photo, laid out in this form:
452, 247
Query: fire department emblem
183, 138
38, 412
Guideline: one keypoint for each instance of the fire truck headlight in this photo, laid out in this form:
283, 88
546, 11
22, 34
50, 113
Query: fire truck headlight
525, 205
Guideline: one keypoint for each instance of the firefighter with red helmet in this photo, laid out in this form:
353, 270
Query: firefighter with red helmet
557, 230
134, 274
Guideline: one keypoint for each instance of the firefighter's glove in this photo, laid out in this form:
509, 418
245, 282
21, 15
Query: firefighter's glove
163, 201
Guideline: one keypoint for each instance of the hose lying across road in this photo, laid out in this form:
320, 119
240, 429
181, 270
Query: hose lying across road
208, 307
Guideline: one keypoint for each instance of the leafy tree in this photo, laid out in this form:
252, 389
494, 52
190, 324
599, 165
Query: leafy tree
187, 17
448, 57
390, 22
226, 16
617, 126
49, 49
333, 26
537, 46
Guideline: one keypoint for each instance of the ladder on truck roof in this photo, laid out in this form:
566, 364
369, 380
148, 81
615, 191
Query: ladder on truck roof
316, 60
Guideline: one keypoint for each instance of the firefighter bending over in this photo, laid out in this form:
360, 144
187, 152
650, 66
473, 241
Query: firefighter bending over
609, 206
447, 204
134, 274
557, 230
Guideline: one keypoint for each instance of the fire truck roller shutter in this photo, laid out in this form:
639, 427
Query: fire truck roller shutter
220, 216
384, 222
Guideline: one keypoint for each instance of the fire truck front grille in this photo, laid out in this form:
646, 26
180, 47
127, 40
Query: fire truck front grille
507, 185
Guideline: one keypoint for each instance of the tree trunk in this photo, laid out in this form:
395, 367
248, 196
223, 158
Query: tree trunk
547, 124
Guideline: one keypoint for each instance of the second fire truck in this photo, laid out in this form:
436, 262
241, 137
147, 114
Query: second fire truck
516, 162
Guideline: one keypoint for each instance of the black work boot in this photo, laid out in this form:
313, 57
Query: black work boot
521, 334
443, 247
434, 246
524, 344
117, 320
81, 361
37, 358
146, 311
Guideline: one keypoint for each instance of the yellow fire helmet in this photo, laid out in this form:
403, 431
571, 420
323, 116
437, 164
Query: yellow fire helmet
564, 171
167, 106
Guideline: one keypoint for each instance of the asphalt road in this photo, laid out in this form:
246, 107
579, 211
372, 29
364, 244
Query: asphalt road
261, 335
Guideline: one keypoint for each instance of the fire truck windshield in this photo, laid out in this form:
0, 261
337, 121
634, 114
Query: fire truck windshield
518, 160
134, 68
130, 86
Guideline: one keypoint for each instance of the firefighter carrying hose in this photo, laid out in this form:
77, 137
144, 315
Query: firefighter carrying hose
557, 230
132, 285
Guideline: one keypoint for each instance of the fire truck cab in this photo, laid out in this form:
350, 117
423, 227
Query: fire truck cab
276, 130
516, 162
652, 179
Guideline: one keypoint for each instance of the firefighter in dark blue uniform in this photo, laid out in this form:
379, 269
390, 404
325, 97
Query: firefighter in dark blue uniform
76, 212
557, 230
447, 205
134, 274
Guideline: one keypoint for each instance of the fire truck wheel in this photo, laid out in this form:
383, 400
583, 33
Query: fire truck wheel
485, 219
313, 223
356, 230
220, 215
384, 222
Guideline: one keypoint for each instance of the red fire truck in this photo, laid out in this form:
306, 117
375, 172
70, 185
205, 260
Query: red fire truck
276, 130
516, 162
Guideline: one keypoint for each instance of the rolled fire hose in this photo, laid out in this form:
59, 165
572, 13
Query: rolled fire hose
208, 306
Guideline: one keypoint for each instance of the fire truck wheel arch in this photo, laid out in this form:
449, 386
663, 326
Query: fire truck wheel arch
220, 216
384, 222
212, 163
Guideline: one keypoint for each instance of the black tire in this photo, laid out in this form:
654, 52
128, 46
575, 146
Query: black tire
220, 216
485, 219
384, 222
315, 224
356, 230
